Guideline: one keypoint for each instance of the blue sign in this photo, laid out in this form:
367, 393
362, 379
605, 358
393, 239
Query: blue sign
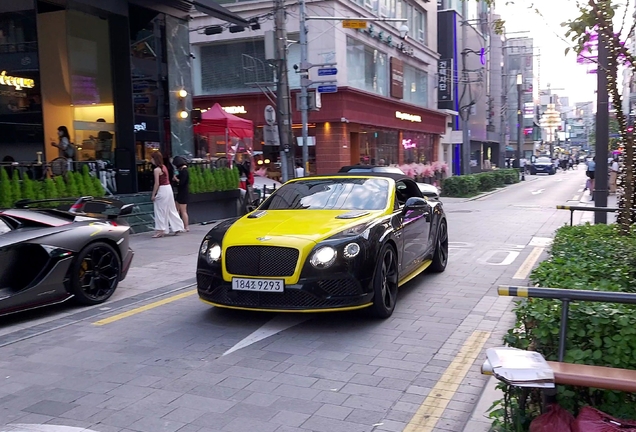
328, 89
327, 71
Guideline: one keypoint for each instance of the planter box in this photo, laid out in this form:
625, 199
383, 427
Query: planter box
208, 206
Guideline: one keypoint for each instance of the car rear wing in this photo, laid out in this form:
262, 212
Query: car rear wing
84, 206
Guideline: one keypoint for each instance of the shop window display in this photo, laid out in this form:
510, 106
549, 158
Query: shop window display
378, 147
418, 148
21, 133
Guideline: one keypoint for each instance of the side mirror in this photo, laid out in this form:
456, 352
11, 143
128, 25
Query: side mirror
126, 209
430, 194
415, 203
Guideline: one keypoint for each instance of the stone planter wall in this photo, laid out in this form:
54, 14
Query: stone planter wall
209, 206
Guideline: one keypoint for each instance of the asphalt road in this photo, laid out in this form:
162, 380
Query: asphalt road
156, 359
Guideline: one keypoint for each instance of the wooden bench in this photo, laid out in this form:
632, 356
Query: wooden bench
599, 377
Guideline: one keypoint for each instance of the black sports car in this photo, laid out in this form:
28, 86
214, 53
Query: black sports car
49, 255
324, 243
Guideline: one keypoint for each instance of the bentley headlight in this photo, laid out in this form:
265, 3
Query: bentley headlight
214, 253
204, 247
351, 250
323, 257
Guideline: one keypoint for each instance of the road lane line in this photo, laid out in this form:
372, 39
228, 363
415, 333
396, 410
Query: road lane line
529, 263
431, 410
270, 328
144, 308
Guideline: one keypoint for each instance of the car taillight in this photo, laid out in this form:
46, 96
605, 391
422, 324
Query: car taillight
113, 223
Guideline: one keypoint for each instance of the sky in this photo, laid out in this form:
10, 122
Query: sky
561, 71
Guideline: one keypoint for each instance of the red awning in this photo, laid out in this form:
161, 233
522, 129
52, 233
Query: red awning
216, 121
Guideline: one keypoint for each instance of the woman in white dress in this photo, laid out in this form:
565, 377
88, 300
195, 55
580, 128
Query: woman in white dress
166, 216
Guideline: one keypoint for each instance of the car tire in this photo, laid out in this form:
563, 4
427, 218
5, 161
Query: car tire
385, 283
95, 273
440, 256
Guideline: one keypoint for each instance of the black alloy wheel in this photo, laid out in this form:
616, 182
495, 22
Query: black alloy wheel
95, 273
440, 256
385, 283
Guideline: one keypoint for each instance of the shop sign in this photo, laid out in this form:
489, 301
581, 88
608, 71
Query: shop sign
235, 109
354, 24
140, 127
397, 78
270, 135
445, 80
17, 82
408, 117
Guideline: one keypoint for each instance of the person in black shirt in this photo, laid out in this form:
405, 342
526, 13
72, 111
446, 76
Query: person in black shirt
182, 179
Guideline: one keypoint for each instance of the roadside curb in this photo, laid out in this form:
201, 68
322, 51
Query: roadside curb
493, 192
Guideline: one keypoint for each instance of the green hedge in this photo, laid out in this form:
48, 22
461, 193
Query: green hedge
473, 184
73, 184
213, 180
587, 257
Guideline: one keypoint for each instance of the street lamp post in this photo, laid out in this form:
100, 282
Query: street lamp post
519, 125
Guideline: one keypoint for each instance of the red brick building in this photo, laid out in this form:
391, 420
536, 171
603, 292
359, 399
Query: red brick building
353, 126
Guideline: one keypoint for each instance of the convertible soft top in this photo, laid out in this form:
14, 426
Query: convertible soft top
394, 176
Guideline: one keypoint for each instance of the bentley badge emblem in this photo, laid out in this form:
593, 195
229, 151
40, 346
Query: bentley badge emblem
263, 238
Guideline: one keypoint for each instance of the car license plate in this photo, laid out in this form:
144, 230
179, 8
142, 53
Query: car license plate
264, 285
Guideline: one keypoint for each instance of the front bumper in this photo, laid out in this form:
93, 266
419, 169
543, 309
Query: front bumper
333, 292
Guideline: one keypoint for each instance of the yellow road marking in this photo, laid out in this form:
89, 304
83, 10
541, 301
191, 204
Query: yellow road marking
431, 410
145, 308
528, 264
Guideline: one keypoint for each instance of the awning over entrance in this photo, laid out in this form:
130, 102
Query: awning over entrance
183, 8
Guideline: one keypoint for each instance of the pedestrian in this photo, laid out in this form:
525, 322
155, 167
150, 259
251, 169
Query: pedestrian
182, 178
65, 147
300, 171
382, 162
613, 176
591, 171
166, 216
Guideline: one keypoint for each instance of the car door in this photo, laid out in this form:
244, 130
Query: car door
415, 226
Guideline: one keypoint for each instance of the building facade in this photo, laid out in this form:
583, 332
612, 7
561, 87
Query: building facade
465, 46
112, 72
385, 107
519, 54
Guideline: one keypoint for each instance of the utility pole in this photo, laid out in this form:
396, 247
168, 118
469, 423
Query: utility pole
282, 90
304, 94
504, 106
602, 129
465, 116
519, 124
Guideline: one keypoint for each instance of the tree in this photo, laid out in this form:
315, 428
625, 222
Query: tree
16, 187
614, 129
600, 17
5, 189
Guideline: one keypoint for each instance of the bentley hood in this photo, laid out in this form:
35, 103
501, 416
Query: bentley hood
307, 225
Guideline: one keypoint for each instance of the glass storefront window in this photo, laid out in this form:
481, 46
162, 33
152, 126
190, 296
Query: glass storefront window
21, 133
91, 86
367, 68
418, 147
377, 146
415, 86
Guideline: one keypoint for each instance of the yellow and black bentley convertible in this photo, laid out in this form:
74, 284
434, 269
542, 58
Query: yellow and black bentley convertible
325, 243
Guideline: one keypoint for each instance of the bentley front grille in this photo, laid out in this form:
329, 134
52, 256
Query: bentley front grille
269, 261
